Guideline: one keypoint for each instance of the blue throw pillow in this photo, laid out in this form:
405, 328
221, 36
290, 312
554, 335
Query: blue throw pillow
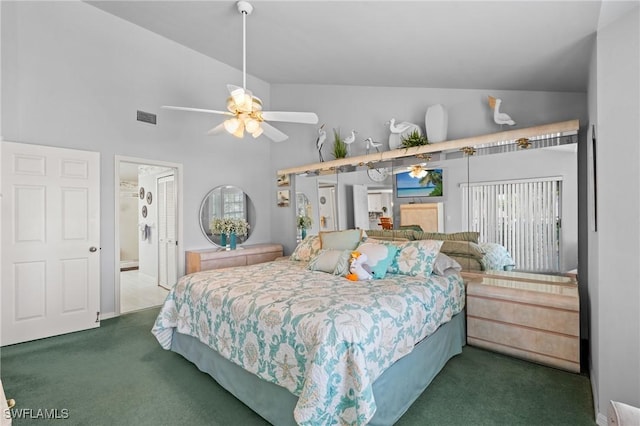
379, 257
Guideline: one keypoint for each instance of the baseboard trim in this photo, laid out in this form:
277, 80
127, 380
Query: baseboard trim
104, 316
602, 420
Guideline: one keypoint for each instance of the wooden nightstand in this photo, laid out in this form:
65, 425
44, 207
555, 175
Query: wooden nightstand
531, 316
216, 258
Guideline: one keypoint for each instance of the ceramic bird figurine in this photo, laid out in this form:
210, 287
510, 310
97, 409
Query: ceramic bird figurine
322, 136
397, 131
369, 143
499, 117
350, 139
399, 128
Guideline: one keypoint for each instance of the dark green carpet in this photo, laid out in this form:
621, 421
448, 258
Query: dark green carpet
118, 375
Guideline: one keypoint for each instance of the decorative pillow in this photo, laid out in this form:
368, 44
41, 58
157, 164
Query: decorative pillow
444, 265
306, 249
334, 262
341, 240
379, 257
462, 248
410, 227
389, 240
416, 258
391, 233
452, 236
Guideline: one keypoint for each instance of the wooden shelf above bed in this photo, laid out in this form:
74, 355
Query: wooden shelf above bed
564, 127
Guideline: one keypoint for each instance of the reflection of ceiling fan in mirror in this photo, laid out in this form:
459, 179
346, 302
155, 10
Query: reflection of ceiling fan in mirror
245, 110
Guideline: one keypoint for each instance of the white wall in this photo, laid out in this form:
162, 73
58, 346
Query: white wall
366, 109
73, 76
614, 290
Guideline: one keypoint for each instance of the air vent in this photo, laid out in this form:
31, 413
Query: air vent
146, 117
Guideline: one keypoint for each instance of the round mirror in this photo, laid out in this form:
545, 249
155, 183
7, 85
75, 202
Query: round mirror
226, 202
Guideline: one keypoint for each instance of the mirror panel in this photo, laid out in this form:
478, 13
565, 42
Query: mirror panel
226, 201
360, 190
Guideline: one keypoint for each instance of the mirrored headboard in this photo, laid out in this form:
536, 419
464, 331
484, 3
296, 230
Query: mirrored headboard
455, 186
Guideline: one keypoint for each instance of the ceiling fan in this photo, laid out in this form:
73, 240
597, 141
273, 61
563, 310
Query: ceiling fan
244, 109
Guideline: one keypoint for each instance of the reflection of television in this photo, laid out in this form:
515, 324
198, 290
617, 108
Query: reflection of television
430, 185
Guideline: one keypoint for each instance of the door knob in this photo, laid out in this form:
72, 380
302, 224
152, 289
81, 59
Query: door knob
92, 249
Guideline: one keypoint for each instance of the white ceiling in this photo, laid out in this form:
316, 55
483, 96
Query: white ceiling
510, 45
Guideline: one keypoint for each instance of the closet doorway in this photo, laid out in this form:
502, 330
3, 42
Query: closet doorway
147, 230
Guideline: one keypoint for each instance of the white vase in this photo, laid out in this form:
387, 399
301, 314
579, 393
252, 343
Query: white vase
436, 122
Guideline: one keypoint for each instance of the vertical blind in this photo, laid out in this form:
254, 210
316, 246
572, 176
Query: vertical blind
523, 216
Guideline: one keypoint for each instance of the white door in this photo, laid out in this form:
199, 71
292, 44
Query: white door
167, 244
50, 241
360, 207
327, 210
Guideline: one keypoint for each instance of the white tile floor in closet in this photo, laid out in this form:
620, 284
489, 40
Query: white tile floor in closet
139, 291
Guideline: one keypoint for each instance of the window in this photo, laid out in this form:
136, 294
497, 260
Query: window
523, 215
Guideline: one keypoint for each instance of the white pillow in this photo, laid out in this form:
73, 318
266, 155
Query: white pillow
445, 266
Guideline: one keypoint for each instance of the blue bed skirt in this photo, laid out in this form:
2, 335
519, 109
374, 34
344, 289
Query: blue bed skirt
394, 391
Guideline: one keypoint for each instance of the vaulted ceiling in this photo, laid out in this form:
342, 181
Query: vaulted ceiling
511, 45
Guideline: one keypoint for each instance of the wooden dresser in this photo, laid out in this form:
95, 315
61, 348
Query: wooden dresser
530, 316
428, 216
216, 258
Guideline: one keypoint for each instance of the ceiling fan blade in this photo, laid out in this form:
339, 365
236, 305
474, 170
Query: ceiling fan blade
218, 129
291, 117
208, 111
273, 133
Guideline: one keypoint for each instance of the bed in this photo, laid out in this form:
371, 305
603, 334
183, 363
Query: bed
312, 348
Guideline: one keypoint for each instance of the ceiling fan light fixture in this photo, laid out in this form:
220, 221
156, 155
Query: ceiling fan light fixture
417, 172
239, 133
251, 125
245, 110
257, 132
238, 96
231, 125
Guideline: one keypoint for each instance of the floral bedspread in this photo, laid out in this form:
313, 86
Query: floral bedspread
496, 257
324, 338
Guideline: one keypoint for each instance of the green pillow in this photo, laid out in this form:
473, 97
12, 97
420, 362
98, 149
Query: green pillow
452, 236
411, 227
462, 249
341, 240
334, 262
391, 233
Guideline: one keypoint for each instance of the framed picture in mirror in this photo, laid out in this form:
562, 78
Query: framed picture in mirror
283, 198
283, 180
423, 183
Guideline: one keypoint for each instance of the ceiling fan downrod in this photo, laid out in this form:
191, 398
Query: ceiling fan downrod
245, 8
